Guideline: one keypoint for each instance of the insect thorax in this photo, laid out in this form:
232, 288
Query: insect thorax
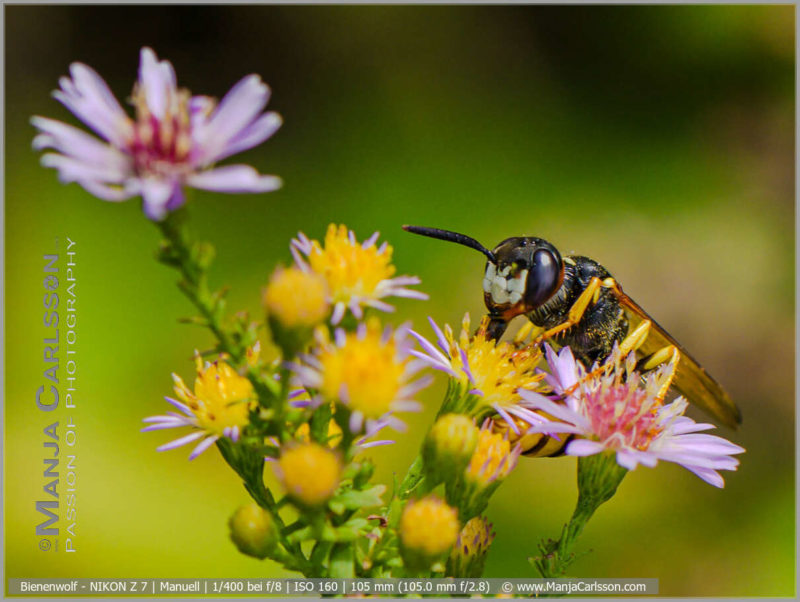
603, 323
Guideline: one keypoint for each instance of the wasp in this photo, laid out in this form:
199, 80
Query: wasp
575, 301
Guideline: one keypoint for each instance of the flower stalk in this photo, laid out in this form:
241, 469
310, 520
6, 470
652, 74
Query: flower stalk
598, 479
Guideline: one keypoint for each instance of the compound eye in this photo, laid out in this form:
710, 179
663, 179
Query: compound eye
544, 278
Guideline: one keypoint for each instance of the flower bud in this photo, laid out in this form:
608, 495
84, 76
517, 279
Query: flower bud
491, 462
253, 531
428, 529
449, 447
310, 473
469, 554
295, 301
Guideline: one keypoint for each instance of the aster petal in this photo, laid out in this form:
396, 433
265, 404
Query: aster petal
712, 477
180, 406
156, 194
238, 108
584, 447
709, 445
338, 313
415, 387
71, 169
114, 194
684, 424
626, 459
253, 135
203, 446
234, 179
157, 80
433, 353
182, 441
79, 145
559, 411
88, 97
379, 442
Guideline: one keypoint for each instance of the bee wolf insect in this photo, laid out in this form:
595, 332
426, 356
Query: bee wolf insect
575, 301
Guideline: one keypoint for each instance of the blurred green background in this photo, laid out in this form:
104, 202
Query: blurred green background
657, 140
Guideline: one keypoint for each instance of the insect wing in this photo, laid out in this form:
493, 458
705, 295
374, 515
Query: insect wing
691, 379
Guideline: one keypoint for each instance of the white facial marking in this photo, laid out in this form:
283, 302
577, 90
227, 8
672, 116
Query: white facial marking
488, 277
505, 290
518, 284
499, 294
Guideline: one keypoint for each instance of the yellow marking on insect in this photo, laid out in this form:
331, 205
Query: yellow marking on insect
661, 356
672, 352
636, 338
569, 260
575, 312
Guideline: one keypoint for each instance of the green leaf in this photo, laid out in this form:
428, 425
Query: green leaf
319, 423
342, 561
354, 499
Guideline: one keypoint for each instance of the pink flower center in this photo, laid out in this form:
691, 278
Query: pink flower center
623, 415
161, 146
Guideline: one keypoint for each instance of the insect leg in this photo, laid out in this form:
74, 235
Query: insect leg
528, 329
575, 312
636, 338
630, 343
665, 355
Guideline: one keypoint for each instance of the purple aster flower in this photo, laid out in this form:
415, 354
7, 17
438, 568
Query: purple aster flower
172, 143
614, 412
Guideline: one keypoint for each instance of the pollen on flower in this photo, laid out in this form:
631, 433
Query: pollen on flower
350, 268
358, 274
429, 526
365, 369
310, 472
490, 375
493, 457
369, 371
221, 400
218, 406
297, 299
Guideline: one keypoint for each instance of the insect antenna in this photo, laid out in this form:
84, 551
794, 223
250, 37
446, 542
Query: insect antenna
461, 239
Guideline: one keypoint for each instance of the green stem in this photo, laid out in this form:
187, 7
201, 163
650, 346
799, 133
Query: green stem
191, 261
598, 479
412, 480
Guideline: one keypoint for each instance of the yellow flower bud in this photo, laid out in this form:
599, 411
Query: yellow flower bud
296, 299
449, 446
253, 530
469, 554
428, 527
493, 458
310, 473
